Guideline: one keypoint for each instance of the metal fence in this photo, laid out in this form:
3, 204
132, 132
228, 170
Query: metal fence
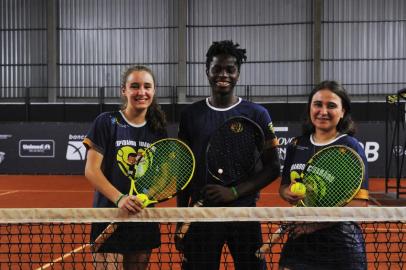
169, 94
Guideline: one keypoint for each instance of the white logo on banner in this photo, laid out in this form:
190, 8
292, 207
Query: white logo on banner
75, 151
36, 148
399, 151
283, 142
371, 151
2, 156
5, 136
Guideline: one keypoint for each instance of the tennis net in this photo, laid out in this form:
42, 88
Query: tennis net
60, 238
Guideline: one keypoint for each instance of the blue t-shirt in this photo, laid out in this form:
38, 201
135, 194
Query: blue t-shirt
116, 139
297, 155
200, 120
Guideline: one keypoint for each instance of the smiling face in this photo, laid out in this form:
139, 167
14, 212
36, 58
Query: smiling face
223, 73
326, 110
139, 90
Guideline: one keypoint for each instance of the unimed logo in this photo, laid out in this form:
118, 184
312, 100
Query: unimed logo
75, 150
37, 148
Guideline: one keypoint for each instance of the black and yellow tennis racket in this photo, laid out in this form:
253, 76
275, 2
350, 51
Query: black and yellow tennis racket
232, 155
170, 164
164, 169
332, 177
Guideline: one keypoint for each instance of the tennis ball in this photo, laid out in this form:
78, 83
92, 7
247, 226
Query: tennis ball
298, 189
142, 198
220, 171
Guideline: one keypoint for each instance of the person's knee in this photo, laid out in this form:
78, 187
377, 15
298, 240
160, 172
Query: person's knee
136, 261
107, 261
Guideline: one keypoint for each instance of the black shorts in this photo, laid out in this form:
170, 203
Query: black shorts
128, 237
204, 242
341, 246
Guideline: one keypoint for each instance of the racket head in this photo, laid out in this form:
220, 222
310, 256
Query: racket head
169, 165
234, 149
332, 177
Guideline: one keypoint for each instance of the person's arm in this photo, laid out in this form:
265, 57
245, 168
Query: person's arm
287, 177
289, 196
358, 203
269, 173
96, 177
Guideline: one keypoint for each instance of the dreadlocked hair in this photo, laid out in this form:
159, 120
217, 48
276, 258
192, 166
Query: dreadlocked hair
226, 47
155, 116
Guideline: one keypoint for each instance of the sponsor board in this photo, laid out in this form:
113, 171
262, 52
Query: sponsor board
66, 154
75, 149
36, 148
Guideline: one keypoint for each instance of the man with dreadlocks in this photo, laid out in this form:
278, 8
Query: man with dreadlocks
203, 243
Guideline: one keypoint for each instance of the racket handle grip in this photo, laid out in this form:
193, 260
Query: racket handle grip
185, 226
199, 203
266, 247
183, 229
104, 236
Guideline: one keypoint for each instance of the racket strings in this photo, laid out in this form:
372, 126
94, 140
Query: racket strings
235, 153
169, 170
332, 178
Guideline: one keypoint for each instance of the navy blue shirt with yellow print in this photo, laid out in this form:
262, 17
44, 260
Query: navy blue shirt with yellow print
339, 246
121, 144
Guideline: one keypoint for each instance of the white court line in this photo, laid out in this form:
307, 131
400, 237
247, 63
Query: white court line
9, 192
68, 254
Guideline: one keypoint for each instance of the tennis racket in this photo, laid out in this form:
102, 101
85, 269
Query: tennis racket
232, 154
333, 176
167, 167
234, 150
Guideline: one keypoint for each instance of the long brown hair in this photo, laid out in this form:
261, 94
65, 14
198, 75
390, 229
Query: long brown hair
155, 116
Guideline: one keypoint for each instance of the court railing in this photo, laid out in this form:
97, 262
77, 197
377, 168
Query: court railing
170, 93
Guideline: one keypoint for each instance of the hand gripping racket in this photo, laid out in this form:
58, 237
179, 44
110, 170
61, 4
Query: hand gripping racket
168, 166
333, 176
232, 154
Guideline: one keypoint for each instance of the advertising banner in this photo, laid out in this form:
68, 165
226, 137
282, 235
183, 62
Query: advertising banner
42, 148
56, 148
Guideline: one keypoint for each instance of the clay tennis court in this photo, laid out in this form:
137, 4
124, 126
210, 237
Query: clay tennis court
72, 191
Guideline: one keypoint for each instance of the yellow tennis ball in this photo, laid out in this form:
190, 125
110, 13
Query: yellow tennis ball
142, 198
298, 189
